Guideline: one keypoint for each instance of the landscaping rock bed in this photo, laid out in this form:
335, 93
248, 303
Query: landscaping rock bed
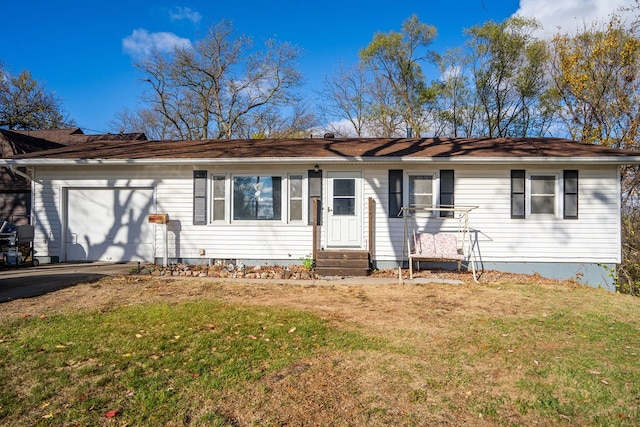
294, 272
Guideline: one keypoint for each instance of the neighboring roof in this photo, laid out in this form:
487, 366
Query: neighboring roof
16, 142
74, 136
328, 150
12, 143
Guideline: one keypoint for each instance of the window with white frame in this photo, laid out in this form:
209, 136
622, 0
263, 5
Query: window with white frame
421, 190
543, 194
295, 198
257, 197
218, 197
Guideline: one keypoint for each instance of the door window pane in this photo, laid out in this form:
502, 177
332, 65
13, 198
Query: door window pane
344, 187
344, 192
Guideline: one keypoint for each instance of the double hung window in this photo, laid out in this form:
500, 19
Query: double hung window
543, 194
536, 194
420, 190
218, 198
295, 198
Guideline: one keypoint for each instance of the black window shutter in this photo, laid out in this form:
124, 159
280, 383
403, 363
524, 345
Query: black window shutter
199, 197
395, 192
570, 194
446, 191
518, 194
315, 190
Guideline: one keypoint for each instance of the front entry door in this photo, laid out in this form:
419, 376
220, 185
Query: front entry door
344, 217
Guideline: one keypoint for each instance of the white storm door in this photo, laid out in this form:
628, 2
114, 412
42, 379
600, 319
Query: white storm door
109, 224
344, 210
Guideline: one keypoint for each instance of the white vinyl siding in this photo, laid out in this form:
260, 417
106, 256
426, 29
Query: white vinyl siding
593, 237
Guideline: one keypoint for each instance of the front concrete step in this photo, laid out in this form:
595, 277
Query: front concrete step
342, 263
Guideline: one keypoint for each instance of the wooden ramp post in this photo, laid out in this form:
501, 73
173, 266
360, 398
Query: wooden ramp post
314, 222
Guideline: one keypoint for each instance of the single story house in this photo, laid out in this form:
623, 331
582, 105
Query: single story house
534, 205
15, 187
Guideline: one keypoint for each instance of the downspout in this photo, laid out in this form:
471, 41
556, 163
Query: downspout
13, 169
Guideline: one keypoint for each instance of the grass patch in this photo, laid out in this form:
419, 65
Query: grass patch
498, 354
152, 364
573, 366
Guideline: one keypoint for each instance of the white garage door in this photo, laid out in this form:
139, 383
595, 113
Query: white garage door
109, 224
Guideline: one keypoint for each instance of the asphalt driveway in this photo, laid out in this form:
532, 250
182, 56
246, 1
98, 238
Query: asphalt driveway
27, 282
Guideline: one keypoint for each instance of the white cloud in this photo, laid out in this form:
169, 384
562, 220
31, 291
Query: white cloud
141, 42
451, 72
569, 16
181, 13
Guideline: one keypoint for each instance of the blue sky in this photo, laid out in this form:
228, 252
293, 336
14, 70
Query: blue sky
84, 50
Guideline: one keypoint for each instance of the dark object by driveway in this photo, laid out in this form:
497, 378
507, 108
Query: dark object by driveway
30, 282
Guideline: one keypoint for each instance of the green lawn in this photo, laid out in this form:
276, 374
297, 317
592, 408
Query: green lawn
550, 361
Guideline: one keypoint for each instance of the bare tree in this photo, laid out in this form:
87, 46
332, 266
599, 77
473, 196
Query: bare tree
272, 122
155, 126
346, 98
209, 90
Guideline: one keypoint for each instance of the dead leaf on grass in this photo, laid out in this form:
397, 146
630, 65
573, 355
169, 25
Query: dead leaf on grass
292, 330
112, 413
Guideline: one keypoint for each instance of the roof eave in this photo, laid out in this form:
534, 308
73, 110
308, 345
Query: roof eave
611, 160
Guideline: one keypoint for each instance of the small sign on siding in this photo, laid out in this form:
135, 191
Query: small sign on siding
159, 218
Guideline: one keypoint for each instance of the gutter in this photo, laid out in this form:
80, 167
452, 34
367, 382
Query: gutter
607, 160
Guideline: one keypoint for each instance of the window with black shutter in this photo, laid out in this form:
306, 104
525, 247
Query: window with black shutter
571, 194
395, 192
446, 191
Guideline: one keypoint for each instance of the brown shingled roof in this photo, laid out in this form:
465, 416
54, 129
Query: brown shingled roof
334, 148
73, 136
17, 142
12, 143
